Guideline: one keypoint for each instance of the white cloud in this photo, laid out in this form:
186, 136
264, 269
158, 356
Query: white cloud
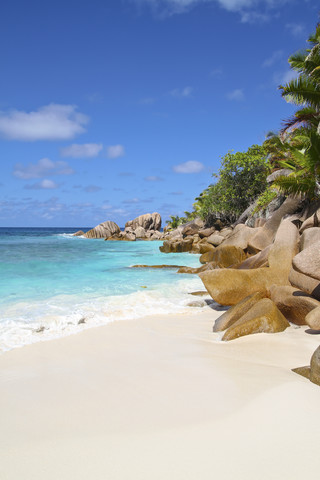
131, 201
189, 167
43, 185
250, 10
281, 78
181, 92
85, 150
43, 168
277, 55
115, 151
51, 122
236, 95
296, 29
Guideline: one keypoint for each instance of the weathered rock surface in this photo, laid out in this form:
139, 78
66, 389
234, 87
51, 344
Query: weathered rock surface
191, 228
157, 266
312, 221
256, 261
224, 256
215, 239
264, 316
205, 247
206, 232
140, 232
266, 234
237, 311
313, 319
176, 246
148, 221
305, 283
79, 233
294, 304
308, 261
309, 237
104, 230
282, 172
312, 372
229, 286
241, 236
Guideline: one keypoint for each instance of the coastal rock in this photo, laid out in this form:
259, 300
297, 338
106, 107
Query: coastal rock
157, 266
266, 234
140, 232
256, 261
224, 256
313, 319
240, 236
226, 232
309, 237
205, 247
215, 239
264, 316
103, 230
305, 283
206, 232
148, 221
229, 286
129, 237
192, 228
294, 304
79, 233
315, 367
237, 311
312, 373
308, 261
178, 246
312, 221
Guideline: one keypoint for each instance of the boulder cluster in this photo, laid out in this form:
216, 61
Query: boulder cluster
269, 273
146, 227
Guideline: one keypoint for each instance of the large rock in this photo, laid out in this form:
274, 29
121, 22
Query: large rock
224, 257
241, 236
215, 239
148, 221
308, 261
237, 311
305, 283
178, 246
192, 228
294, 304
313, 319
256, 261
312, 372
206, 232
229, 286
205, 247
140, 232
309, 237
264, 316
266, 234
104, 230
312, 221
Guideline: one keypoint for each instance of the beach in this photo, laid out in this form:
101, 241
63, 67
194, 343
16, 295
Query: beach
160, 397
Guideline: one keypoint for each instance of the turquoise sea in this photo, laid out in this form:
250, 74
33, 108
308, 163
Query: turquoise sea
53, 284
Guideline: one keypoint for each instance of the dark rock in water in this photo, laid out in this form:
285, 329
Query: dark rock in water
79, 233
104, 230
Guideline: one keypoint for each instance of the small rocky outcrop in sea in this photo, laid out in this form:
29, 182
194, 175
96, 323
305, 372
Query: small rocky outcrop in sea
103, 230
148, 221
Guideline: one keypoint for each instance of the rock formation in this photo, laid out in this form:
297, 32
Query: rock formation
103, 230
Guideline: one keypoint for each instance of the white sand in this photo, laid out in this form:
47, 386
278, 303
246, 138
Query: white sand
160, 398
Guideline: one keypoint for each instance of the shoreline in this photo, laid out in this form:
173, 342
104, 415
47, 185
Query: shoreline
160, 397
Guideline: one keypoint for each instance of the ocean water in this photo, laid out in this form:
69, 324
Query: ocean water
53, 284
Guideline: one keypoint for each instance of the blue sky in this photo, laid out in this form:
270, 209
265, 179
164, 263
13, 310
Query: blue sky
114, 108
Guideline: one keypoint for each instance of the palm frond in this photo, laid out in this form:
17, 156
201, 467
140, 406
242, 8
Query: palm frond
301, 91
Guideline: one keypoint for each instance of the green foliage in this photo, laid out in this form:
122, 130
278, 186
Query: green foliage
264, 199
175, 221
241, 178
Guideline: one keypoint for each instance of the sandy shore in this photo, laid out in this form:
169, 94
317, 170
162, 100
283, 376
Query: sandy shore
160, 398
